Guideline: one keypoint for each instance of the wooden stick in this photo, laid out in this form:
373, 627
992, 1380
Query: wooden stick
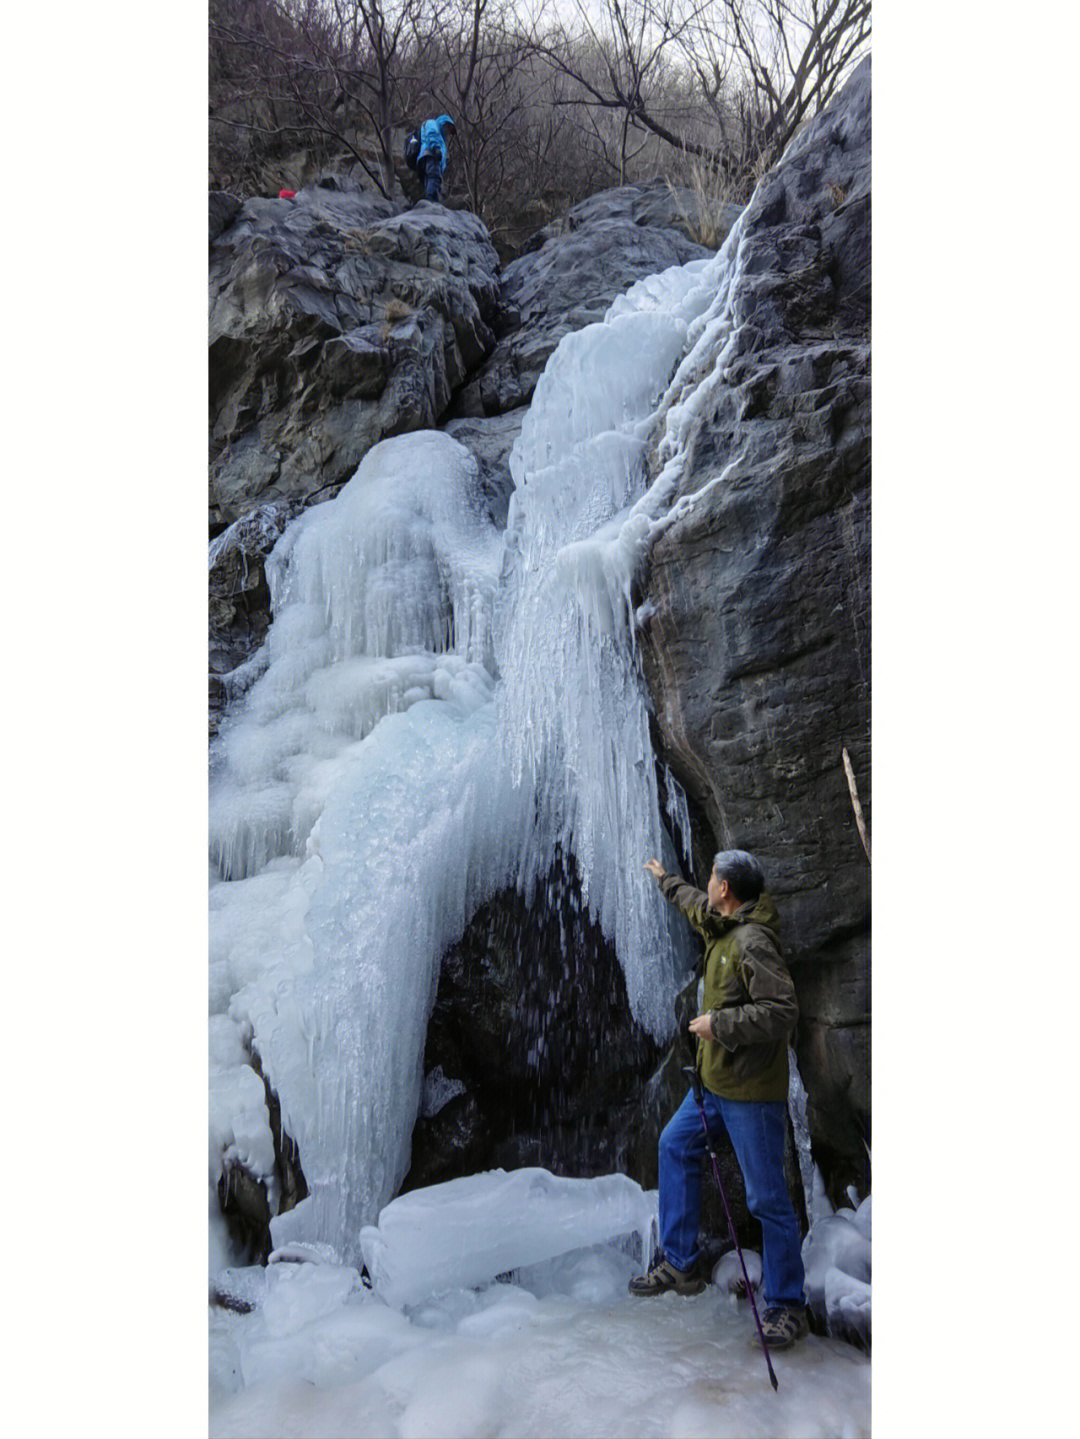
856, 806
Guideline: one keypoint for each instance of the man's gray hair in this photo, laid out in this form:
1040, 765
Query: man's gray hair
742, 872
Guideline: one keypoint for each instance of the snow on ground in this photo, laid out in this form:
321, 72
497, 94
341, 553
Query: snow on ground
553, 1348
563, 1351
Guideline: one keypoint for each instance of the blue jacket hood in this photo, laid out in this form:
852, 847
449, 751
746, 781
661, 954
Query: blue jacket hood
433, 139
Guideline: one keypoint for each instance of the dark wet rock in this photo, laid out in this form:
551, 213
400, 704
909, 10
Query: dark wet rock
243, 1197
541, 1086
767, 575
336, 319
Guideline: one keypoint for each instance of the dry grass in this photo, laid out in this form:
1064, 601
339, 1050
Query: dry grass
396, 310
362, 241
702, 217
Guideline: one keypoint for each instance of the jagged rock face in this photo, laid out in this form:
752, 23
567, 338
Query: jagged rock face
239, 610
336, 319
757, 653
598, 252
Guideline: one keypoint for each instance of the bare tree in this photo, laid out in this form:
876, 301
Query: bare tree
547, 109
794, 54
330, 70
756, 68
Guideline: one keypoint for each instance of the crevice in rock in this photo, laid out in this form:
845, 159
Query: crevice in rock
243, 1197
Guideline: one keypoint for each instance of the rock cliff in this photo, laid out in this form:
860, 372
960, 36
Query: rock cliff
340, 318
757, 651
335, 319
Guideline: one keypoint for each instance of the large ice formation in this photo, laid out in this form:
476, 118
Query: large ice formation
439, 711
463, 1233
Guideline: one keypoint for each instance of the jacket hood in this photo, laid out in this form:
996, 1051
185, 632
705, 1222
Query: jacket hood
760, 911
443, 121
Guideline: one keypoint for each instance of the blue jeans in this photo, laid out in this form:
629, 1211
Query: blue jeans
432, 166
758, 1131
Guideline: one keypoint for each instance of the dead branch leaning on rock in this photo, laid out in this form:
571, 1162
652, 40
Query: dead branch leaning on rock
856, 806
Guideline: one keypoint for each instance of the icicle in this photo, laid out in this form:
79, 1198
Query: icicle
797, 1100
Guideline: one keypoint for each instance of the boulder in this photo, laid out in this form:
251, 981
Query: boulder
491, 438
599, 251
657, 205
336, 318
767, 575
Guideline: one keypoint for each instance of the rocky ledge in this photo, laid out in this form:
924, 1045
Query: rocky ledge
336, 319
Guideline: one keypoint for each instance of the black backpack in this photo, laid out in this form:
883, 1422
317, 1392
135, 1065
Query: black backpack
412, 148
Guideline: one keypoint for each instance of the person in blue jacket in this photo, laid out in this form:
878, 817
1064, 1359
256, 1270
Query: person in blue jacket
434, 156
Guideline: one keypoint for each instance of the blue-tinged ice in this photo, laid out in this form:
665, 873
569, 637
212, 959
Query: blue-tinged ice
439, 711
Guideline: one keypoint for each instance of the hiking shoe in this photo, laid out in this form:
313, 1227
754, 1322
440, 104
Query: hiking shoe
663, 1276
783, 1324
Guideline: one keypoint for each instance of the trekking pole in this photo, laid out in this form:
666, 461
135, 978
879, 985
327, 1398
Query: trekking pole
695, 1082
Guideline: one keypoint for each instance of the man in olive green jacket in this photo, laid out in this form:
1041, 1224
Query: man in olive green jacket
743, 1033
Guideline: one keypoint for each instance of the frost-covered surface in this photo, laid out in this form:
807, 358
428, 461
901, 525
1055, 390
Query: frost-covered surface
556, 1348
341, 792
836, 1257
438, 711
467, 1231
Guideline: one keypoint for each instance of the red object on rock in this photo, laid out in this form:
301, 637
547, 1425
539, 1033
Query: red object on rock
286, 194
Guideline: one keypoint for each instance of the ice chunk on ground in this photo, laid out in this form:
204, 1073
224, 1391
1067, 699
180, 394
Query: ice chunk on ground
297, 1293
728, 1274
847, 1304
836, 1257
305, 1253
468, 1230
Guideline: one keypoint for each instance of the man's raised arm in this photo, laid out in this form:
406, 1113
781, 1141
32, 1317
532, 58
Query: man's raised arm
689, 901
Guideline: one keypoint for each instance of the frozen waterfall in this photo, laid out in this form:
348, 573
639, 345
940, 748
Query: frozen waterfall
440, 710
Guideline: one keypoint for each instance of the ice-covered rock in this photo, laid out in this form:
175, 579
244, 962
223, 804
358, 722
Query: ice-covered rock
847, 1305
728, 1273
468, 1230
837, 1260
601, 248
